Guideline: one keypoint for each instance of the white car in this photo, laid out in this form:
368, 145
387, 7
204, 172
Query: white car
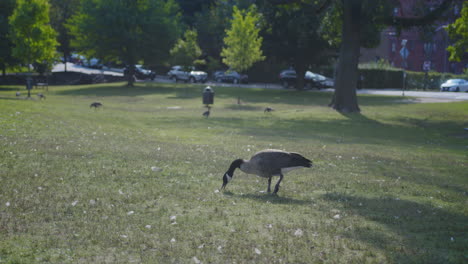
454, 85
177, 73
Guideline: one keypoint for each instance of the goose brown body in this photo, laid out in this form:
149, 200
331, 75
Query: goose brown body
268, 163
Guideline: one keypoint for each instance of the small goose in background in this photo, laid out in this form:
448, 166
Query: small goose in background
95, 105
207, 112
268, 110
41, 96
268, 163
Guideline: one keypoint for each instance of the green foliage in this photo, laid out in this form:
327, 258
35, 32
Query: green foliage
433, 80
331, 25
60, 12
6, 10
375, 78
458, 32
33, 37
381, 64
211, 24
186, 51
381, 75
243, 43
127, 31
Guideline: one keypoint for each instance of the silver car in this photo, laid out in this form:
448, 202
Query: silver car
179, 73
454, 85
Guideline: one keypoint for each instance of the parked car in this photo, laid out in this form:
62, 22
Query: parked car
179, 73
230, 76
141, 73
217, 74
454, 85
288, 78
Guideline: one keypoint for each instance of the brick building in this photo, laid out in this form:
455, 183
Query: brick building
422, 48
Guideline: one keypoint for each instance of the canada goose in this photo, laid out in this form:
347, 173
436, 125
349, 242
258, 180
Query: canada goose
268, 163
41, 96
268, 110
95, 105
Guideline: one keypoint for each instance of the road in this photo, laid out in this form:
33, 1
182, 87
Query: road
77, 68
422, 96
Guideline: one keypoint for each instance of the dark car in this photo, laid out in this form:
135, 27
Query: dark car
288, 78
141, 73
230, 76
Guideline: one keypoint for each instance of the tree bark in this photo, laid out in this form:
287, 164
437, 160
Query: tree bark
345, 98
131, 75
300, 74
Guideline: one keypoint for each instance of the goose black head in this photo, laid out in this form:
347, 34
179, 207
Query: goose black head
230, 172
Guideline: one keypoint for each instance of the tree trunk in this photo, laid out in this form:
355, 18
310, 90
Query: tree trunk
300, 73
345, 98
131, 75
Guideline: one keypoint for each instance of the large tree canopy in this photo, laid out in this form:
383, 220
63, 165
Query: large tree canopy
128, 31
243, 44
33, 38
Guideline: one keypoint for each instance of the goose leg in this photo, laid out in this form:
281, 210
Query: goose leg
278, 184
269, 184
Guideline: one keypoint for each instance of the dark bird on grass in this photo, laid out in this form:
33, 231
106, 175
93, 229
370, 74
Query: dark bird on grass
206, 113
268, 110
268, 163
18, 94
95, 105
41, 96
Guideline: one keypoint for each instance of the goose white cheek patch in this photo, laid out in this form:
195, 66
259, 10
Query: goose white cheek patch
228, 177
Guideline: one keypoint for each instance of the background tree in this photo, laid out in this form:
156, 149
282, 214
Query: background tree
126, 31
211, 24
190, 8
294, 37
243, 43
186, 51
362, 21
458, 32
6, 58
31, 34
60, 12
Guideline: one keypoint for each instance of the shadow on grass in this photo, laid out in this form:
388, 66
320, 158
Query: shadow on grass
267, 197
244, 107
419, 233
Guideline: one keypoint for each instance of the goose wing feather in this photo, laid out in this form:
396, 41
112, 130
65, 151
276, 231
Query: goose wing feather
272, 161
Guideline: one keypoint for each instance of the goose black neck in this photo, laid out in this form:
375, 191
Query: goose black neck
234, 165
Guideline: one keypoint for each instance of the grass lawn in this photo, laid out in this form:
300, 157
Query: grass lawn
137, 180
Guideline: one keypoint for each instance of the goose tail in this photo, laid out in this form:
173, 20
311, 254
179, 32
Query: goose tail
301, 160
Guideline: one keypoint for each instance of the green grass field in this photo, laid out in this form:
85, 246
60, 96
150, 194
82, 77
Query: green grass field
137, 180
